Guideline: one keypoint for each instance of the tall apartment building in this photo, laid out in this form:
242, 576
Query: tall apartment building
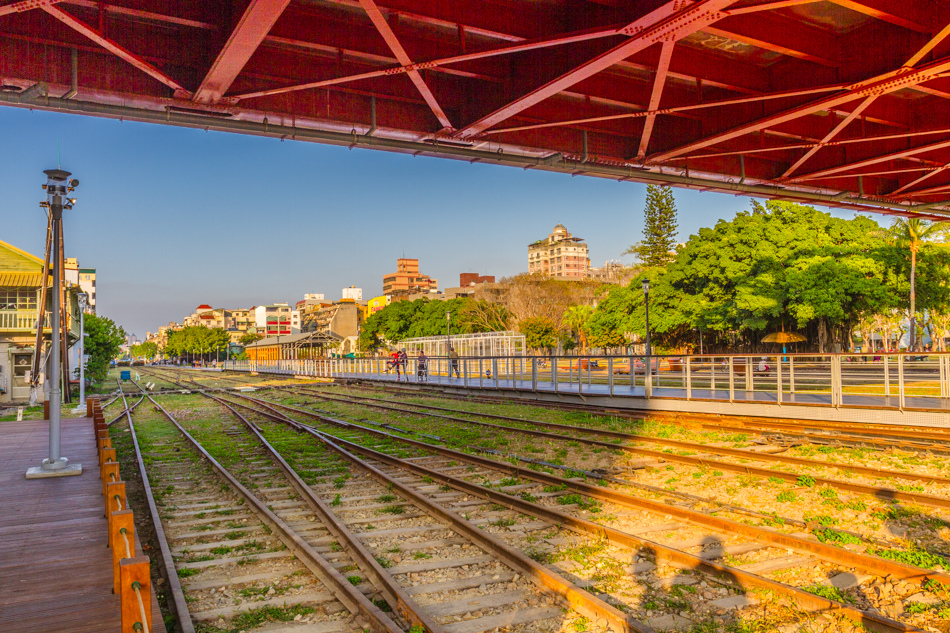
560, 254
407, 279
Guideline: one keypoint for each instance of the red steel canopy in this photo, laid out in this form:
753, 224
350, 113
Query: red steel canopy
837, 102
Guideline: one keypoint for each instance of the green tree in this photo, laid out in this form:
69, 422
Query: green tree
249, 337
577, 318
659, 228
148, 349
197, 341
103, 341
539, 333
911, 233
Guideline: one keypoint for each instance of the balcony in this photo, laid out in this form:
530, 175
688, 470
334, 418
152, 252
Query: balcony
20, 321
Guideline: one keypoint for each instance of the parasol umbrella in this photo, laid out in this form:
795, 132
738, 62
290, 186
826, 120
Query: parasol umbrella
783, 337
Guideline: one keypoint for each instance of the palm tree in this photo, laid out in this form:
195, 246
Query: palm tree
911, 233
576, 318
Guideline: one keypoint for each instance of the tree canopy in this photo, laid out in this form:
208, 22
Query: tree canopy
148, 349
412, 319
103, 341
196, 340
779, 265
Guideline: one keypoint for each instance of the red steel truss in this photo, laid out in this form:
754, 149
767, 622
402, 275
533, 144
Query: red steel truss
837, 102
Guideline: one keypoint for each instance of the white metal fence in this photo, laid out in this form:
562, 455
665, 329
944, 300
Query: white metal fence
874, 380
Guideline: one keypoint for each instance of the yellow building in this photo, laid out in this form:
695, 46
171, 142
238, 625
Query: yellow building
21, 281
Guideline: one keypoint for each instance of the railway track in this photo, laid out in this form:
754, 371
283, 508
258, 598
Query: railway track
494, 586
727, 543
688, 452
881, 436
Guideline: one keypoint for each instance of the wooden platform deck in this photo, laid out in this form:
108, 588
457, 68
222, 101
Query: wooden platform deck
55, 568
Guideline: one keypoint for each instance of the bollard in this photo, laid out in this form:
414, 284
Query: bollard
122, 524
134, 574
104, 441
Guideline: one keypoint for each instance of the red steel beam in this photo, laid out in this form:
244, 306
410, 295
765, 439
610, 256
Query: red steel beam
775, 47
670, 21
882, 84
115, 48
830, 136
768, 6
26, 5
662, 68
886, 10
670, 110
393, 42
913, 151
560, 40
917, 181
246, 37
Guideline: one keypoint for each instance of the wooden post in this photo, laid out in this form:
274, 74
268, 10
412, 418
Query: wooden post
104, 441
107, 455
122, 520
46, 410
110, 473
134, 573
115, 489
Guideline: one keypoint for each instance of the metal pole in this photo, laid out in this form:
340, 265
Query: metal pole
82, 350
57, 186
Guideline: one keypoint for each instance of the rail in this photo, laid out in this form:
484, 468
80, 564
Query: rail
131, 579
874, 380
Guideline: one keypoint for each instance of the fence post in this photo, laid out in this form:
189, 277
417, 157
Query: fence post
121, 520
554, 372
732, 381
687, 378
778, 380
943, 376
887, 376
712, 375
648, 378
494, 371
610, 375
534, 374
900, 380
791, 374
135, 605
749, 380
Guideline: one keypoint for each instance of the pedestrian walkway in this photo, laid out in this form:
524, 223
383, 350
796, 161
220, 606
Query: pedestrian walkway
55, 567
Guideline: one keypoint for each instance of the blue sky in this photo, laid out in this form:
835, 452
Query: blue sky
172, 217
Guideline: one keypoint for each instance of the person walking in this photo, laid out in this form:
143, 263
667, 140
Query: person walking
422, 367
394, 364
404, 363
454, 359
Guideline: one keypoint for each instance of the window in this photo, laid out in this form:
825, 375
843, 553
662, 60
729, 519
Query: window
17, 299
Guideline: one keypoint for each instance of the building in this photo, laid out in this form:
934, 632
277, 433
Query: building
275, 319
354, 293
559, 255
21, 281
85, 278
613, 272
376, 304
467, 284
309, 300
408, 280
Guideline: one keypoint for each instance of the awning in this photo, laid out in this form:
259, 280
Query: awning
21, 280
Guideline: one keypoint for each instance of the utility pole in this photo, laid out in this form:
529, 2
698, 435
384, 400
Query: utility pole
82, 348
57, 186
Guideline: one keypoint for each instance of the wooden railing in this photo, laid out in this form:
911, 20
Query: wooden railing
131, 578
20, 320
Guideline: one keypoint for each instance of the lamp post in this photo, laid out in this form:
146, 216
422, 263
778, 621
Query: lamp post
57, 187
82, 348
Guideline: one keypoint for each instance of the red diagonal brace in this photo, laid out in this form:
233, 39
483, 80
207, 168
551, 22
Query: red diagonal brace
670, 21
114, 48
250, 31
379, 21
661, 70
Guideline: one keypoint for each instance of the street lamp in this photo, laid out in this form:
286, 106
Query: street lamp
57, 187
82, 347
